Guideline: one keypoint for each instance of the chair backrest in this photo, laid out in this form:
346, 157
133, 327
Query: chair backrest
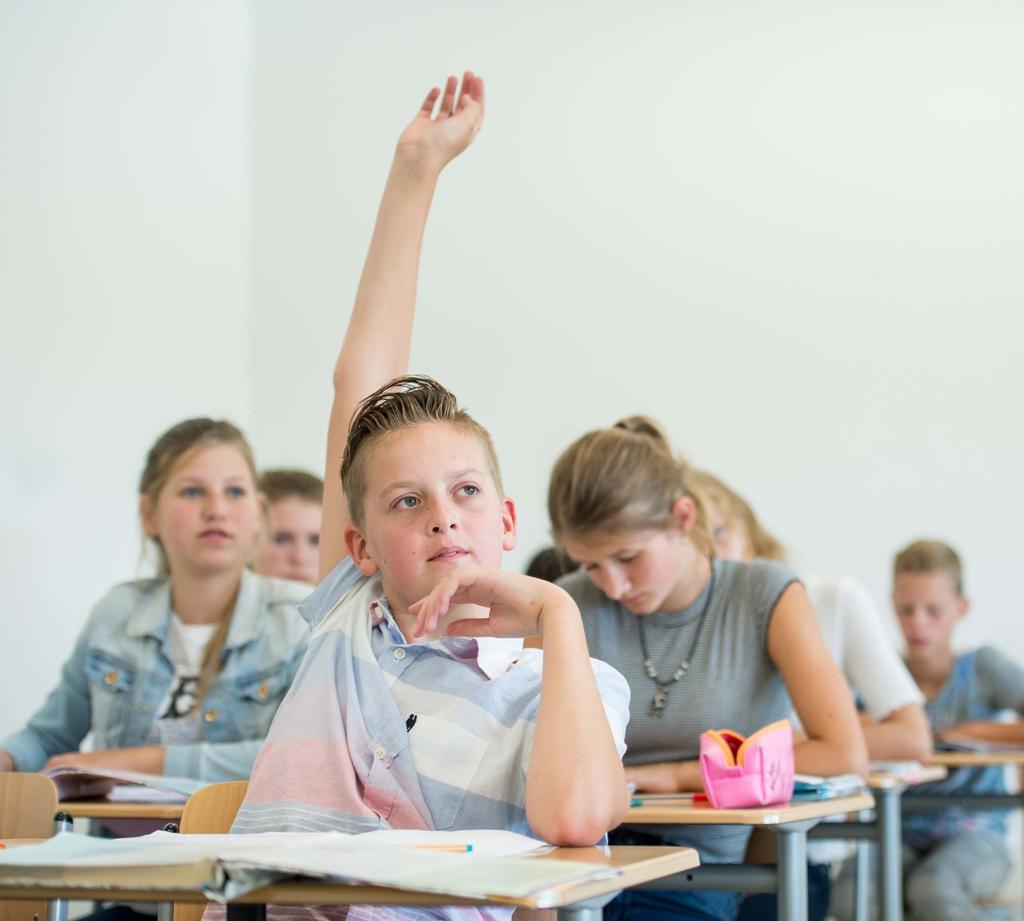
210, 811
28, 803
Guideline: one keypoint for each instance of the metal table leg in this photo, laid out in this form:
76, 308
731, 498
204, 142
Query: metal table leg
57, 909
792, 840
890, 856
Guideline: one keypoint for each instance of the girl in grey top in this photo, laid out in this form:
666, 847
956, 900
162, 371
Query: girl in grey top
703, 643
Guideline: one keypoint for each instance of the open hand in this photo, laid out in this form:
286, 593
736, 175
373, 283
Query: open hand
516, 603
442, 137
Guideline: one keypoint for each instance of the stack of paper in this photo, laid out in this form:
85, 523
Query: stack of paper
227, 866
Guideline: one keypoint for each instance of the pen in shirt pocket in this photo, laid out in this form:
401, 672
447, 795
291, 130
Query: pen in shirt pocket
410, 722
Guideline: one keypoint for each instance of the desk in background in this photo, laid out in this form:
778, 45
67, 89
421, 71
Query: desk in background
790, 822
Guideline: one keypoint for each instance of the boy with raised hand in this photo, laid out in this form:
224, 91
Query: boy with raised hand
416, 706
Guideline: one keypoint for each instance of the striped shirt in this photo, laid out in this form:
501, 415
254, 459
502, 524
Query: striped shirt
379, 733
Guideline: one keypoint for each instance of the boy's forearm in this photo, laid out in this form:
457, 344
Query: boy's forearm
575, 787
990, 731
380, 328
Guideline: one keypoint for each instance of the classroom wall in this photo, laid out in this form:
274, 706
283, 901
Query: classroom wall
124, 289
789, 232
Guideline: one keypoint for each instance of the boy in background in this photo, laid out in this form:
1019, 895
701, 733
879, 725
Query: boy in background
955, 857
290, 543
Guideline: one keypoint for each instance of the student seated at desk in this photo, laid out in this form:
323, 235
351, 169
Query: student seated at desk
416, 705
181, 674
289, 544
894, 725
704, 643
953, 858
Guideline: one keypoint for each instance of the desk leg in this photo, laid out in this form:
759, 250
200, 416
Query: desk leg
57, 909
792, 839
862, 881
579, 913
890, 853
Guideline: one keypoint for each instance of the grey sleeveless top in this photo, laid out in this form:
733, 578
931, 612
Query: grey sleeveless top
731, 684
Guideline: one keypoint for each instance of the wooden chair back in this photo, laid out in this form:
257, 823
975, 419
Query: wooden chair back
210, 811
28, 803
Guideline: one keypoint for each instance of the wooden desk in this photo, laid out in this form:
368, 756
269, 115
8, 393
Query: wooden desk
577, 901
105, 809
978, 759
790, 822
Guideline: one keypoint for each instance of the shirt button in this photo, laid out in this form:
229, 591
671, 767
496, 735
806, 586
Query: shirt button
399, 654
264, 690
210, 716
380, 753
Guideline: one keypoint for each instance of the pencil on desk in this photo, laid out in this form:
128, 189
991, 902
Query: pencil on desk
460, 848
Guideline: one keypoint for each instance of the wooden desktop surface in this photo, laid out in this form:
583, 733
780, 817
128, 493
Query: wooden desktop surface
683, 812
637, 865
888, 780
105, 809
978, 759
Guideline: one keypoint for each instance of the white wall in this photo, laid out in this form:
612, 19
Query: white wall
124, 285
789, 231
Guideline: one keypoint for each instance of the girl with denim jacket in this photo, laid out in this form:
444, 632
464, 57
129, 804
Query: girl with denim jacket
181, 674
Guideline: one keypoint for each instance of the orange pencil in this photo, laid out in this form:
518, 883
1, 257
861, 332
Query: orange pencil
460, 848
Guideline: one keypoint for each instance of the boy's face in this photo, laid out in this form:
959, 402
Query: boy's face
431, 506
290, 545
928, 608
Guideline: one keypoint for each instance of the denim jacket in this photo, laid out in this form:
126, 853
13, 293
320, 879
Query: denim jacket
121, 669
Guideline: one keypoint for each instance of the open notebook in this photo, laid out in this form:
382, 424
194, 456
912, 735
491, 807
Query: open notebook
121, 786
227, 866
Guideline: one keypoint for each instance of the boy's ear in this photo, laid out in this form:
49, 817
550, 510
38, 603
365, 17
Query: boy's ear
508, 524
356, 544
146, 511
684, 511
963, 606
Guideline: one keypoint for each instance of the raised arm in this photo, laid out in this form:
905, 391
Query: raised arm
834, 744
377, 342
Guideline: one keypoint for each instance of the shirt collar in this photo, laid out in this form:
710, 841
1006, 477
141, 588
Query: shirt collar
493, 655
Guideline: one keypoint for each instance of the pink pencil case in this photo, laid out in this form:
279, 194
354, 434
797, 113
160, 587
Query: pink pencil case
740, 773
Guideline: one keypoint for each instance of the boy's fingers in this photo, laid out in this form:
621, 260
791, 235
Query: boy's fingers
447, 103
428, 104
471, 626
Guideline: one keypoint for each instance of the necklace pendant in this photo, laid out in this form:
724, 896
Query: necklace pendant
657, 707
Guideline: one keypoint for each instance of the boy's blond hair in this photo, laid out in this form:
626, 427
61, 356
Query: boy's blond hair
401, 404
284, 484
927, 556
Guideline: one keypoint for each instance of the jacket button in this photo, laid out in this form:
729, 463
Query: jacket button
210, 715
263, 690
110, 678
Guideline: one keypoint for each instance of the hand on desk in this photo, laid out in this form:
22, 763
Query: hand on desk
6, 762
666, 777
148, 759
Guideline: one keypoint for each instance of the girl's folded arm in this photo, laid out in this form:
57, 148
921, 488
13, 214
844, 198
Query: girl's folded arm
820, 694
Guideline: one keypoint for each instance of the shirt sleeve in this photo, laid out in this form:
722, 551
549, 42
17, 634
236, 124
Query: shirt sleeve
870, 661
1000, 680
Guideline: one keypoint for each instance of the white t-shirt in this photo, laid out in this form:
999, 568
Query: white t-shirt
853, 630
175, 723
855, 635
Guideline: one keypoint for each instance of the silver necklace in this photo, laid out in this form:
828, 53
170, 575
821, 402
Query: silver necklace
657, 705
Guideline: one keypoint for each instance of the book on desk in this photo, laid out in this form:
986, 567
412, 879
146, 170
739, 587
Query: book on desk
121, 786
500, 865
